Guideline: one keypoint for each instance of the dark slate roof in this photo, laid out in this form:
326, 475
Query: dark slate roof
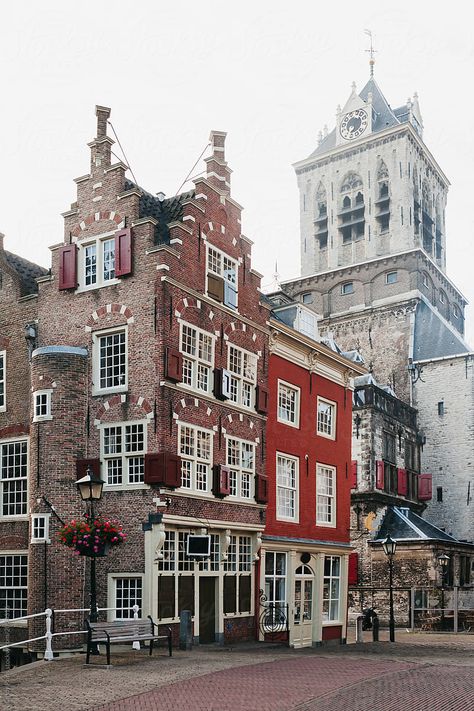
27, 271
406, 525
384, 116
433, 338
164, 211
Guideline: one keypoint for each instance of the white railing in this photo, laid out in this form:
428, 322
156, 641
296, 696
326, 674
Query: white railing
49, 634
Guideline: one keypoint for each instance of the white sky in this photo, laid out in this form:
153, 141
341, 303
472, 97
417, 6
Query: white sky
270, 73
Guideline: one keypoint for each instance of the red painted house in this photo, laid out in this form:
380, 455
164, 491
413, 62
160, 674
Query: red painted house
305, 549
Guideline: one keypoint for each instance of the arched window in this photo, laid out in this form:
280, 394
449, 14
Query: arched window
427, 222
382, 203
321, 221
352, 221
346, 202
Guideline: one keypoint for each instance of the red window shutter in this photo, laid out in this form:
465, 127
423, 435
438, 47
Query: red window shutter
353, 573
221, 480
68, 267
174, 365
261, 400
123, 252
163, 468
380, 475
83, 464
402, 481
261, 489
354, 474
424, 487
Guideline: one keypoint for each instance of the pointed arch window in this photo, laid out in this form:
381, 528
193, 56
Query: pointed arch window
321, 217
382, 203
352, 208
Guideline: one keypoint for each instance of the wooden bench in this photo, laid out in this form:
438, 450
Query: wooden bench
124, 631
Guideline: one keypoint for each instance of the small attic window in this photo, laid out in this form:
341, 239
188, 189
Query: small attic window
307, 298
347, 288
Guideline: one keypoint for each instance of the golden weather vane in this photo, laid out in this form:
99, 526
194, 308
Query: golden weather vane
371, 51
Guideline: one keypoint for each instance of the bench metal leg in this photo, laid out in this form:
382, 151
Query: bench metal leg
108, 653
151, 647
88, 653
170, 647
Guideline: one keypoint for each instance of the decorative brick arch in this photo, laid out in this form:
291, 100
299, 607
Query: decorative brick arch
238, 327
103, 311
191, 303
110, 215
14, 431
238, 418
193, 403
141, 403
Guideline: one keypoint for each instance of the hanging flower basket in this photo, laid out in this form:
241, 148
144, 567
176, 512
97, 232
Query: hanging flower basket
92, 538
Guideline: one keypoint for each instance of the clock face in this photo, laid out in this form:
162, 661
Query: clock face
354, 124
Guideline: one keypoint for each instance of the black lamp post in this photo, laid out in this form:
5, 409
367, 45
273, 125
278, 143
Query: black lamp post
443, 562
90, 489
389, 548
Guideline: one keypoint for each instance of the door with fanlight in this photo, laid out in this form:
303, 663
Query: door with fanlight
302, 632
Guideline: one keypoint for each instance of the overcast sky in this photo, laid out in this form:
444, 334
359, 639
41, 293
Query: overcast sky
269, 73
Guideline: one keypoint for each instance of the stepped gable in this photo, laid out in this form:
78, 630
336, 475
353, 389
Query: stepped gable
27, 271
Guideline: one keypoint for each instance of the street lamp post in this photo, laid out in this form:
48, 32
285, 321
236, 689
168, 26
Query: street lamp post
443, 562
389, 548
90, 489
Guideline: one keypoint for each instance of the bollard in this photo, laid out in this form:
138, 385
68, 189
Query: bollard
48, 652
185, 630
375, 628
359, 634
135, 608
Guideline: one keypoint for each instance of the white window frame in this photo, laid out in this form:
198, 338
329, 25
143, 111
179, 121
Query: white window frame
219, 271
195, 460
307, 298
96, 364
22, 554
238, 382
349, 285
3, 381
239, 471
123, 455
326, 495
390, 274
270, 585
8, 480
306, 322
328, 586
320, 425
42, 398
195, 360
100, 282
284, 385
286, 488
40, 531
112, 580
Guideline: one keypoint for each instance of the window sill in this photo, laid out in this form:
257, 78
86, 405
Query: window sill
93, 287
44, 418
112, 391
326, 436
125, 487
295, 425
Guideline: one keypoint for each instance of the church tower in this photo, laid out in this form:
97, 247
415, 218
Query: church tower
371, 187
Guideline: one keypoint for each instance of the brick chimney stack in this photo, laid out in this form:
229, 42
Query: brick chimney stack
218, 173
100, 146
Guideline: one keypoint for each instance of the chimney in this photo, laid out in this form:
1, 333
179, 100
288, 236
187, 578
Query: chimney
218, 173
100, 146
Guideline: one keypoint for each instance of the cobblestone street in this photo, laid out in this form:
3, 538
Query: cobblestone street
417, 673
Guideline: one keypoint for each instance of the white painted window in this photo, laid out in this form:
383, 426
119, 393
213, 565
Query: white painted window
110, 361
42, 405
288, 404
97, 262
275, 583
391, 277
123, 446
325, 495
3, 381
306, 323
332, 589
326, 418
241, 460
195, 450
222, 277
287, 474
197, 348
40, 528
243, 368
14, 478
127, 591
13, 584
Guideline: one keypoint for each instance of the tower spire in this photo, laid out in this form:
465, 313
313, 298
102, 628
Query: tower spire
371, 51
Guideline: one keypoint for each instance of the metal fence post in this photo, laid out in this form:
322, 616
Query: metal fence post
359, 633
412, 609
135, 608
456, 607
375, 628
48, 652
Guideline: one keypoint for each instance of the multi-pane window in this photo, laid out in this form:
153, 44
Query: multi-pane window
212, 563
237, 579
306, 323
39, 528
123, 449
195, 449
326, 426
288, 404
389, 447
13, 585
241, 460
128, 592
331, 588
98, 263
42, 405
325, 495
222, 283
243, 368
287, 487
275, 581
3, 359
13, 477
111, 361
197, 350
